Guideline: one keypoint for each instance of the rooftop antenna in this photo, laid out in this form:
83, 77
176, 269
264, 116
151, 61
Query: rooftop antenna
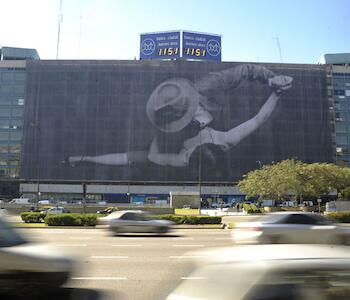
279, 47
81, 17
60, 19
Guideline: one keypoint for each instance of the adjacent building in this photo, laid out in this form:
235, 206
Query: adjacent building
338, 82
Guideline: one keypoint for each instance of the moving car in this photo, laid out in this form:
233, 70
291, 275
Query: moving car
291, 227
56, 210
134, 221
268, 272
28, 268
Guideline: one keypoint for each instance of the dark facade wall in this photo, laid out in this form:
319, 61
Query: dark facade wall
94, 108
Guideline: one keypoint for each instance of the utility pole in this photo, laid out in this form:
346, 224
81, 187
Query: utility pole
200, 167
37, 129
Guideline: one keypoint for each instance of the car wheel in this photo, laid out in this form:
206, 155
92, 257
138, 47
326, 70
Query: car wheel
163, 229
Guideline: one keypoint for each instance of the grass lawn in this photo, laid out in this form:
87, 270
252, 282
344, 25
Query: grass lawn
186, 211
35, 225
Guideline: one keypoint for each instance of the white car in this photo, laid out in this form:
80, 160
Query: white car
134, 221
291, 227
268, 272
29, 268
56, 210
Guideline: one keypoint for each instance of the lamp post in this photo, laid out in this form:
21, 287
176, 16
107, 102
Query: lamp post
259, 162
37, 129
200, 166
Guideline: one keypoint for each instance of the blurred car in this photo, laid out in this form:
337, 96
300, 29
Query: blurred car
291, 227
220, 204
107, 210
134, 221
56, 210
29, 268
268, 272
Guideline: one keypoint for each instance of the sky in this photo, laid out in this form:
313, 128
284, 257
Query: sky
110, 29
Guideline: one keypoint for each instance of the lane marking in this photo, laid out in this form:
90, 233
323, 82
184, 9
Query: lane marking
194, 245
71, 245
80, 238
109, 257
184, 238
131, 245
193, 278
223, 238
99, 278
187, 256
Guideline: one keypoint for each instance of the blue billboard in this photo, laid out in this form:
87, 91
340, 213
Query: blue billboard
201, 46
161, 45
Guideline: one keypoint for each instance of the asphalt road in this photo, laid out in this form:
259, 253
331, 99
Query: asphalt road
128, 267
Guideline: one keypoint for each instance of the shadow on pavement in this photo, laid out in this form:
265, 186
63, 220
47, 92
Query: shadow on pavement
66, 294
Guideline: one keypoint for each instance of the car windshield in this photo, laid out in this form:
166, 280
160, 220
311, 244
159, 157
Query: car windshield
8, 236
271, 218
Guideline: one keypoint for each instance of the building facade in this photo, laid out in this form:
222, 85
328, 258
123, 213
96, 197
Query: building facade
338, 82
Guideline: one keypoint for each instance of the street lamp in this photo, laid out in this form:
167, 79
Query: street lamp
259, 162
200, 165
38, 158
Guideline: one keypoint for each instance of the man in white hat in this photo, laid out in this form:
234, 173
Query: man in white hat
176, 103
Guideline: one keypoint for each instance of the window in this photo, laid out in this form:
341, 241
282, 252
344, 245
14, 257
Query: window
4, 135
16, 135
17, 112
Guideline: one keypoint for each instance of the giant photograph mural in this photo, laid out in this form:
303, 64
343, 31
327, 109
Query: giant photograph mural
170, 121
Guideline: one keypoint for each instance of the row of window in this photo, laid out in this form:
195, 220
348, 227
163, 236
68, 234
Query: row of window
12, 76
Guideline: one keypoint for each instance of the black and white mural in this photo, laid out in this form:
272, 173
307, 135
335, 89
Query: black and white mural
164, 121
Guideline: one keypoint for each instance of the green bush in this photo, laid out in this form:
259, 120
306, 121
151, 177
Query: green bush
251, 208
33, 217
193, 220
71, 219
340, 216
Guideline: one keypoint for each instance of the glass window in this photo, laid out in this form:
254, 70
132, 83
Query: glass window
4, 135
5, 112
3, 162
14, 148
299, 219
5, 101
19, 76
16, 135
7, 76
3, 148
340, 127
16, 123
4, 123
341, 139
6, 90
20, 101
18, 90
17, 112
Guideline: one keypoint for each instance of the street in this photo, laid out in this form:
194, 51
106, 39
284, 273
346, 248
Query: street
129, 266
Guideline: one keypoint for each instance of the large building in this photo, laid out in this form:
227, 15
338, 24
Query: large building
12, 100
132, 127
126, 129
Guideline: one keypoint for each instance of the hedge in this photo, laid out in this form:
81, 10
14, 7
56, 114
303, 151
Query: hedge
340, 216
71, 219
193, 220
251, 208
33, 217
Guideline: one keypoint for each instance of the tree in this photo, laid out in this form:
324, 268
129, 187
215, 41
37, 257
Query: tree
293, 177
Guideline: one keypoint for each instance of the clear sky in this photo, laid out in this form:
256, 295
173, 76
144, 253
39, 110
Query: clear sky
110, 29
